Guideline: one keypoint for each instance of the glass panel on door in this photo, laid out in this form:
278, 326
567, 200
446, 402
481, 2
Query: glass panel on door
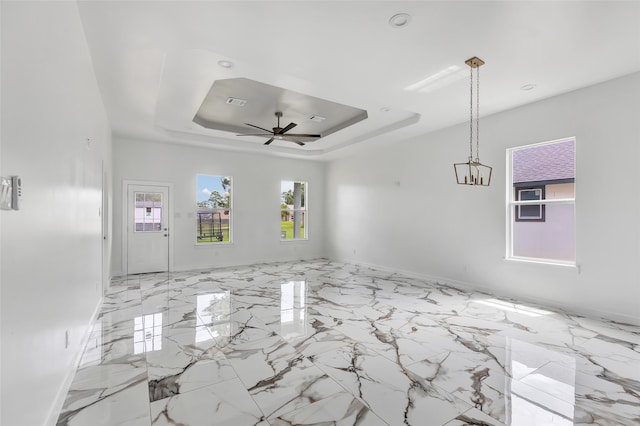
148, 212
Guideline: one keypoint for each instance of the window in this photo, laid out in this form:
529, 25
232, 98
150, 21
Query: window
530, 211
148, 214
293, 212
213, 208
541, 200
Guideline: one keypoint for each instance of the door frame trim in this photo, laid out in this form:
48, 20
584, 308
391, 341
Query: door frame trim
125, 224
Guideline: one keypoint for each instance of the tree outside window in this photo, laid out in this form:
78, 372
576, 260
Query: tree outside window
293, 211
214, 209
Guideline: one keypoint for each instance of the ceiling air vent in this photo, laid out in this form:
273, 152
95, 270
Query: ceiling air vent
317, 118
236, 102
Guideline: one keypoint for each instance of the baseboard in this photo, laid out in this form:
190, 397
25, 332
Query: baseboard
539, 301
56, 407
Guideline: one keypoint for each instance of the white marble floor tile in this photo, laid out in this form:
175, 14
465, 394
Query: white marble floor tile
204, 369
223, 404
390, 391
110, 347
113, 315
608, 390
620, 332
341, 409
300, 384
278, 377
239, 327
475, 378
474, 417
322, 339
328, 343
126, 403
112, 373
181, 362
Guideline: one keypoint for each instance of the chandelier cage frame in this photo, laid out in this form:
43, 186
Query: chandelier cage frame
473, 172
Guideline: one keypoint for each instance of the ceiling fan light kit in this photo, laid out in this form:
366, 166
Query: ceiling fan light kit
473, 172
279, 133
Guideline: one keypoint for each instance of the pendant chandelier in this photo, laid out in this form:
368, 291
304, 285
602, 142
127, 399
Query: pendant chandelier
473, 172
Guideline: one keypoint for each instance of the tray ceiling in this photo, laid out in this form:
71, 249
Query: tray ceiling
156, 61
233, 103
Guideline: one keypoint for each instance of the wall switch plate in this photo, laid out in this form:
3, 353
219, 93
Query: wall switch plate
16, 182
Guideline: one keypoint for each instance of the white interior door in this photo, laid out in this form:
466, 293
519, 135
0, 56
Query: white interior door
147, 228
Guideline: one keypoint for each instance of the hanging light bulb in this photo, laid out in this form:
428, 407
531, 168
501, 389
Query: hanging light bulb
473, 172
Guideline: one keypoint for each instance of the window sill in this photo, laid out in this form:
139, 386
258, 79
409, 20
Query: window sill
219, 244
297, 240
550, 262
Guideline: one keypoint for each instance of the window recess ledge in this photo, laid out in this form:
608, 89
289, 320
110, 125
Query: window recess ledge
213, 244
548, 262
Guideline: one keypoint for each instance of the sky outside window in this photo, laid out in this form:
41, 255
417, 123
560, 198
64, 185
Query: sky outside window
208, 184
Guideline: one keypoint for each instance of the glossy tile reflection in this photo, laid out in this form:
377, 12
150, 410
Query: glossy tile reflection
293, 309
319, 342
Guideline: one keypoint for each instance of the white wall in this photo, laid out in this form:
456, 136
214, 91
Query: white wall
457, 233
52, 247
256, 202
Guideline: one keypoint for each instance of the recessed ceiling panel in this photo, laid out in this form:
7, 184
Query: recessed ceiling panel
233, 103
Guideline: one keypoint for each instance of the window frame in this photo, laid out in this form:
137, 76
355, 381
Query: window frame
518, 215
214, 210
304, 210
512, 205
153, 209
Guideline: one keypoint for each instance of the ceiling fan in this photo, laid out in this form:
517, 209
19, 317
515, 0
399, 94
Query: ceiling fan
278, 133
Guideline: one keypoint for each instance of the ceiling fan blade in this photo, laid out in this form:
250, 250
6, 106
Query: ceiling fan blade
290, 139
304, 135
261, 128
289, 127
269, 141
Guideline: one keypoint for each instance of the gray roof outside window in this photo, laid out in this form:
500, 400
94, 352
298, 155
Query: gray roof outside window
546, 162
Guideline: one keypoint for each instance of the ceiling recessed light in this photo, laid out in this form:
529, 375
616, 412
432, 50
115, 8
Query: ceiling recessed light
225, 64
528, 87
400, 20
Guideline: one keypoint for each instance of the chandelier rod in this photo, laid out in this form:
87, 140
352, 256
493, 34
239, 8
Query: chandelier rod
470, 113
478, 113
